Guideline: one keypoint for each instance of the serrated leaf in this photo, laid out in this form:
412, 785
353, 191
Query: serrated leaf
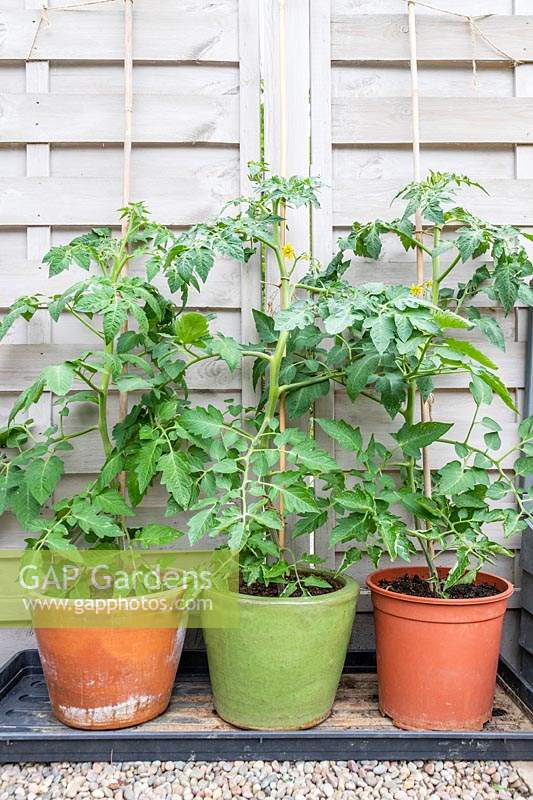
340, 316
91, 521
412, 438
481, 393
505, 284
351, 556
317, 581
111, 502
23, 504
204, 422
199, 524
132, 383
298, 315
454, 478
20, 309
524, 466
111, 469
309, 523
43, 476
59, 378
225, 467
314, 458
355, 500
156, 535
228, 349
3, 493
382, 333
264, 326
491, 329
403, 327
299, 401
498, 388
191, 327
114, 318
175, 475
237, 536
347, 436
492, 440
358, 373
498, 489
468, 349
298, 499
146, 459
447, 319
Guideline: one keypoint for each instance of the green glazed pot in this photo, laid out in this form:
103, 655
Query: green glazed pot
280, 666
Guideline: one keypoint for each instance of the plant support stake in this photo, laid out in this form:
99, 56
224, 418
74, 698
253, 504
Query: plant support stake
128, 118
283, 228
424, 406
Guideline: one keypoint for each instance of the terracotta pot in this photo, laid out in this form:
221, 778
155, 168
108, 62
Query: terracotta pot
103, 678
437, 659
279, 666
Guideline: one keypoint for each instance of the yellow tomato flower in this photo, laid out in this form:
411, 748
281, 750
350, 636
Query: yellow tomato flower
417, 290
288, 251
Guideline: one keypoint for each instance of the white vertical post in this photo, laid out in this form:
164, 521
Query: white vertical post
523, 169
322, 220
38, 238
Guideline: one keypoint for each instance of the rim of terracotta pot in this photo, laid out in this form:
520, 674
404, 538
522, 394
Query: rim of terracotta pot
118, 617
68, 601
372, 582
347, 592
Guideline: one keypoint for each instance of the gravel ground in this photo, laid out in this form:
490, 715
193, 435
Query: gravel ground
222, 780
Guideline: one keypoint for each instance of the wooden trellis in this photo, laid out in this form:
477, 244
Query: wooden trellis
197, 92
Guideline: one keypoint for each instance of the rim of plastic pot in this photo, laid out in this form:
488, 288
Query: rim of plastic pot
507, 587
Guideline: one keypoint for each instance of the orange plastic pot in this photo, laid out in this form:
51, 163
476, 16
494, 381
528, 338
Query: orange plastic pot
437, 659
104, 678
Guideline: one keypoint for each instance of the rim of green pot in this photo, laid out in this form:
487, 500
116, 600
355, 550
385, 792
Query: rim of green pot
350, 590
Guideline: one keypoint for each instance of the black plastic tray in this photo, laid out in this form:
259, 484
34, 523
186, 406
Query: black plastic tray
191, 730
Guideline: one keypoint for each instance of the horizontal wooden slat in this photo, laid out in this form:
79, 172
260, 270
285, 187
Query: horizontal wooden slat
20, 364
472, 120
221, 290
191, 31
67, 118
381, 37
94, 201
396, 162
508, 201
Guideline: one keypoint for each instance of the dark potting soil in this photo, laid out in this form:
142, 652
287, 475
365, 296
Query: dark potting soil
416, 586
274, 589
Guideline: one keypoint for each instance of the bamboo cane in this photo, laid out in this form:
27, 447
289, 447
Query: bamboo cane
283, 224
419, 233
126, 174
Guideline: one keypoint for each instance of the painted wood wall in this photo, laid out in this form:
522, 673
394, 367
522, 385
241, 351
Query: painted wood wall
198, 65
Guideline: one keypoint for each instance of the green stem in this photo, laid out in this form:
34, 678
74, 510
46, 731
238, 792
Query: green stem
435, 267
289, 387
102, 406
312, 289
85, 322
409, 415
449, 269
